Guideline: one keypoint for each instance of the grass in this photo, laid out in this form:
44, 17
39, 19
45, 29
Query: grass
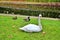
9, 29
43, 0
34, 0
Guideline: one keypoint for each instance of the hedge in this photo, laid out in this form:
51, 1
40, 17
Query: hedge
30, 12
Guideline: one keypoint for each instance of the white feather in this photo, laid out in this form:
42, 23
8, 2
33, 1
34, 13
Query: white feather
32, 27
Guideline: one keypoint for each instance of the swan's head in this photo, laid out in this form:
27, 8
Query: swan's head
40, 15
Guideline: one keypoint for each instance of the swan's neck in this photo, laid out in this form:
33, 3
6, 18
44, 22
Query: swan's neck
39, 22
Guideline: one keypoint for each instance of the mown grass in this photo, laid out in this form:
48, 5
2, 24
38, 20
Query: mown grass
34, 0
43, 0
9, 29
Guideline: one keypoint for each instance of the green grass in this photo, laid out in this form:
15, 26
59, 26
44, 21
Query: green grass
8, 32
43, 0
36, 0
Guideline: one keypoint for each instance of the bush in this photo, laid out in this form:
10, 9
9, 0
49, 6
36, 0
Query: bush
30, 12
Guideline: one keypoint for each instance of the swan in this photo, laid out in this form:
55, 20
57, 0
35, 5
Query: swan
33, 27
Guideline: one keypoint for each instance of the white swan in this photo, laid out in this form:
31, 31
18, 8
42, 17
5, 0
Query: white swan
32, 27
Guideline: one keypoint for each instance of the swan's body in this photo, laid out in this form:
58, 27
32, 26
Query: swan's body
32, 27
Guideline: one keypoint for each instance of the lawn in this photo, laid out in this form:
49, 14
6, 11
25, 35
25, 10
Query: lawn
9, 29
43, 0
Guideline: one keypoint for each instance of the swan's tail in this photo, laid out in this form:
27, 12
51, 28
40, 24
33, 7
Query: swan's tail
21, 28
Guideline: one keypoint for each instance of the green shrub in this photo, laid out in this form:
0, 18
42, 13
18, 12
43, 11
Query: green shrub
30, 12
